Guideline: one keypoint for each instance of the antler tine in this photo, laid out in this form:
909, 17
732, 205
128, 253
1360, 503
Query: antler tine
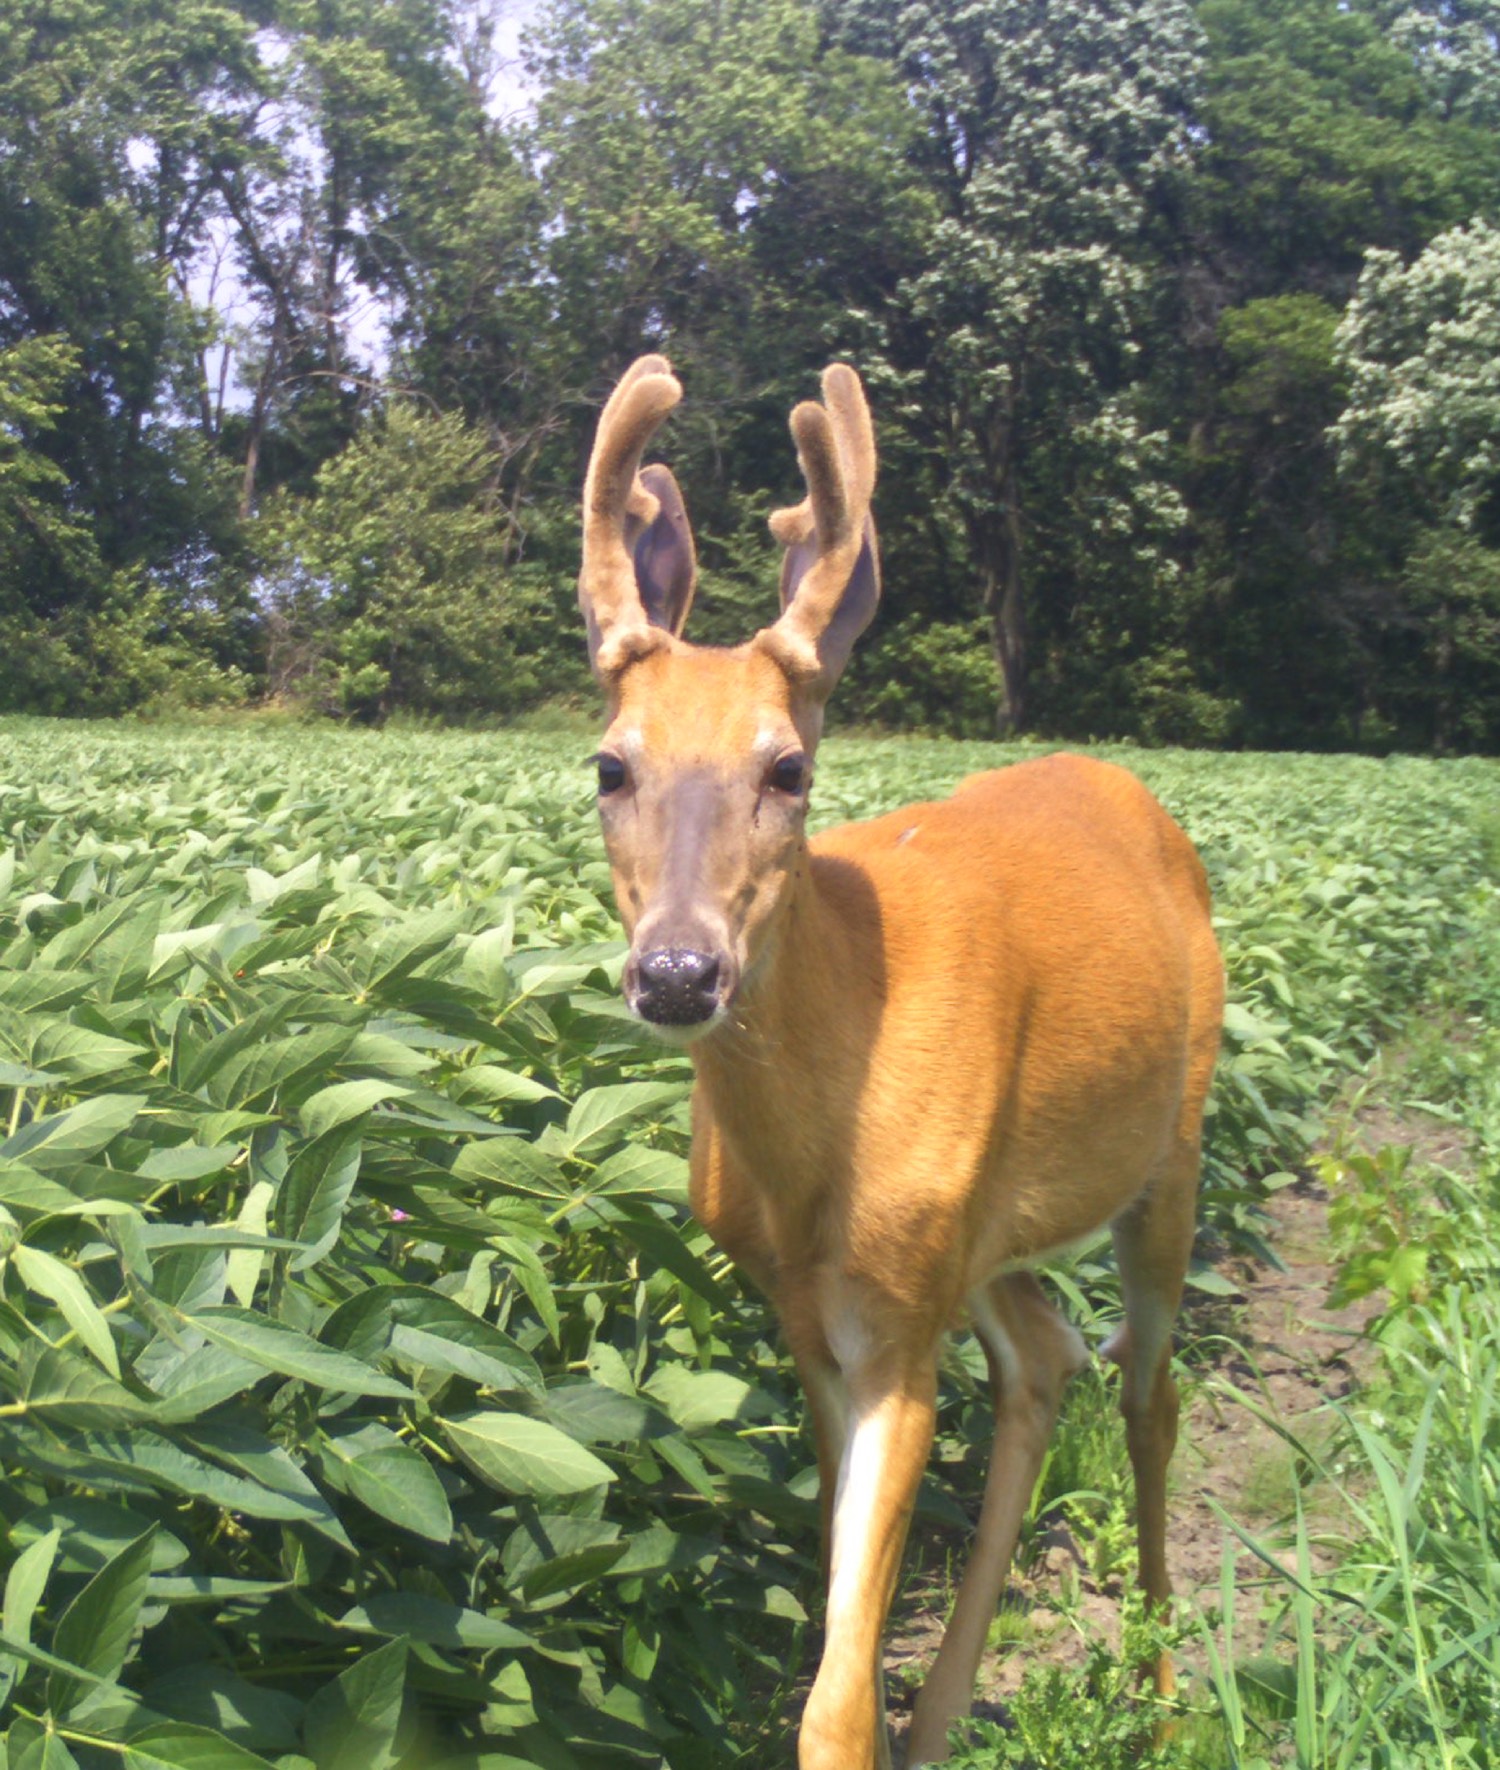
836, 451
616, 506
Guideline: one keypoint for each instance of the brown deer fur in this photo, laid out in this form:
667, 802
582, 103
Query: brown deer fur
929, 1048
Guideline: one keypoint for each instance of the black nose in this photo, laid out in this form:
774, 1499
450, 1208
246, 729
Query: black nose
677, 986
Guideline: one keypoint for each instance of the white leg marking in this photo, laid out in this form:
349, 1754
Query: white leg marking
854, 1510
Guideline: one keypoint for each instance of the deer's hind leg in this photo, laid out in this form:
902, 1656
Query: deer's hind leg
1031, 1351
1153, 1242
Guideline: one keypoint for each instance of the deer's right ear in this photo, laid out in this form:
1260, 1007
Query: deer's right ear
666, 565
639, 568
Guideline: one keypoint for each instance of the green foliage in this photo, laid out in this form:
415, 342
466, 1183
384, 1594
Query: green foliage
364, 1380
40, 537
124, 652
1063, 1720
1090, 262
1022, 328
938, 676
389, 585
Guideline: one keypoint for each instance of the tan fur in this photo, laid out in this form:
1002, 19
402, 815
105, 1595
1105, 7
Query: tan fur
958, 1036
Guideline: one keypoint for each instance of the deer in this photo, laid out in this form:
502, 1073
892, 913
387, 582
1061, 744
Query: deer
929, 1049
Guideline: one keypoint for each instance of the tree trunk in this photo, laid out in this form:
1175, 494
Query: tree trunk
996, 540
1442, 725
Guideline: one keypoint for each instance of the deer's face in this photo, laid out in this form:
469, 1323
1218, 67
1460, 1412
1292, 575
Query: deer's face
704, 773
706, 763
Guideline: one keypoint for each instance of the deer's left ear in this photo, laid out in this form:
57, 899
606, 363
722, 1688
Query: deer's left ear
830, 576
666, 565
856, 605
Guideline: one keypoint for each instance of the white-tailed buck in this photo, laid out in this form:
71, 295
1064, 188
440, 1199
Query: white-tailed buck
929, 1048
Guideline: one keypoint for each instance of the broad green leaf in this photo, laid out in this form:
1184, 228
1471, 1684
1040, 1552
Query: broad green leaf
279, 1067
189, 1161
521, 1455
542, 1538
173, 1745
401, 949
142, 1460
336, 1104
605, 1112
311, 1202
421, 1618
264, 887
390, 1478
291, 1353
202, 1380
23, 1189
251, 1714
597, 1415
21, 1075
74, 1134
425, 1328
696, 1399
245, 1035
169, 946
26, 1581
1246, 1028
641, 1172
570, 1573
487, 1081
202, 1588
94, 1631
65, 1388
351, 1723
39, 990
93, 1532
268, 1464
243, 1268
47, 1276
46, 1752
514, 1164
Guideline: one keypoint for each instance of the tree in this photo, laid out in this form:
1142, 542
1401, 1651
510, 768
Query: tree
1049, 129
1323, 130
389, 585
1420, 344
1455, 46
721, 184
106, 132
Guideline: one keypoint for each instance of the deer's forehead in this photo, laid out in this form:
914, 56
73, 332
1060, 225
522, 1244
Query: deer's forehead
705, 704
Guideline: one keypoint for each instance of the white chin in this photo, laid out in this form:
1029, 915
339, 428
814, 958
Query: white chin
683, 1036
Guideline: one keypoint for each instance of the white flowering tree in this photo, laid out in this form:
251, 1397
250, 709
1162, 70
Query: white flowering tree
1420, 344
1455, 45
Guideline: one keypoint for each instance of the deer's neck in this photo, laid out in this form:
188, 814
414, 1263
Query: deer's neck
781, 1080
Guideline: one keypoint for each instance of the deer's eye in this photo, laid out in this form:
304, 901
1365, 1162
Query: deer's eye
789, 773
611, 773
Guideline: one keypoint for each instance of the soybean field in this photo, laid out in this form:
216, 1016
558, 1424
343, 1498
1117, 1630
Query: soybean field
368, 1397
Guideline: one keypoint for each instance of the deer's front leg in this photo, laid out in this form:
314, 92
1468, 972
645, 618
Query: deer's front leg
888, 1433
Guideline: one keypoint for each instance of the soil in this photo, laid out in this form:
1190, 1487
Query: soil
1277, 1344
